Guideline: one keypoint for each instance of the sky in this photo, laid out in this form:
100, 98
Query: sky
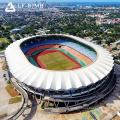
60, 1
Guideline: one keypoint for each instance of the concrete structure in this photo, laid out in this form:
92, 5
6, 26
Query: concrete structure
68, 90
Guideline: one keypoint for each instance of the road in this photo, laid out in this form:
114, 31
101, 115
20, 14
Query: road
20, 36
12, 37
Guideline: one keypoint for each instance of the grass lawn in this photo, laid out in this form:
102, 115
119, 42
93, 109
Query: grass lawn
3, 115
86, 116
57, 61
4, 40
5, 26
105, 47
15, 100
116, 117
2, 62
96, 113
10, 89
114, 44
2, 49
4, 66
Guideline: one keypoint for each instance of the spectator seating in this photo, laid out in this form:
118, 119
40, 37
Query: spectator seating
80, 51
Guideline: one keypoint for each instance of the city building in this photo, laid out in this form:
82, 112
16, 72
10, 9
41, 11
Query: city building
24, 27
16, 31
43, 4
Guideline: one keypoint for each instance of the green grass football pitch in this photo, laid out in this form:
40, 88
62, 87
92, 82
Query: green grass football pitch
57, 61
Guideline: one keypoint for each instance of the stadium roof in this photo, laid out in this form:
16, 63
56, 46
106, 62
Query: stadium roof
37, 77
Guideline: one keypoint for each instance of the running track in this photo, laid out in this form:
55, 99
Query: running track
40, 64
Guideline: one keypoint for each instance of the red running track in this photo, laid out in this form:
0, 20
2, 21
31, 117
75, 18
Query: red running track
35, 57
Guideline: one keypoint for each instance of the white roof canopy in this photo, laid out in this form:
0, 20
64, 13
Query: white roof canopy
37, 77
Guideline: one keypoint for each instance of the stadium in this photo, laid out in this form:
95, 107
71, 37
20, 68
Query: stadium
68, 73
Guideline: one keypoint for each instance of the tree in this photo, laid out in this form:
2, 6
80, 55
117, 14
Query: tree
107, 42
16, 37
115, 48
98, 41
97, 38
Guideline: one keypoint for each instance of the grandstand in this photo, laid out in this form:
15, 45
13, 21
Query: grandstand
84, 55
64, 70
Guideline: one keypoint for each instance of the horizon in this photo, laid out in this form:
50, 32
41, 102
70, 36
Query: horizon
62, 1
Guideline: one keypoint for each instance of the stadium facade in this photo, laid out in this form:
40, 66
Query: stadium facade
62, 90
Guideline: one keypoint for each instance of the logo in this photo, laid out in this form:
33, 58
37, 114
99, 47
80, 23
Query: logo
10, 8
